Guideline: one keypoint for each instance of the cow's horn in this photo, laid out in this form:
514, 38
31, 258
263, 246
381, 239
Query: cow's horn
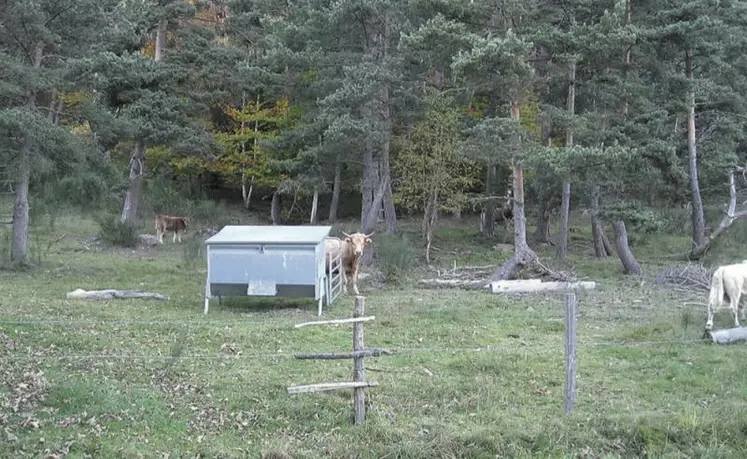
346, 234
372, 233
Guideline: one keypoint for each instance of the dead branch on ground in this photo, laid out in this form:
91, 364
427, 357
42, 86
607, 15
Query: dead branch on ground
690, 278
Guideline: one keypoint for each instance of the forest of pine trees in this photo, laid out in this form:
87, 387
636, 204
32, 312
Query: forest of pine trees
379, 109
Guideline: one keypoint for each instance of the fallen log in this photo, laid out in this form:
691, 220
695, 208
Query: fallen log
536, 285
148, 240
469, 284
728, 335
110, 294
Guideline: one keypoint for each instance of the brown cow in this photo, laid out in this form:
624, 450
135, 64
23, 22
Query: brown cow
166, 223
352, 251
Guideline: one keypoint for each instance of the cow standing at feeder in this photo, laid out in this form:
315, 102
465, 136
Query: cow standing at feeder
728, 281
351, 250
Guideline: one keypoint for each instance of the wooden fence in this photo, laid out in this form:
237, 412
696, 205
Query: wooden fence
358, 354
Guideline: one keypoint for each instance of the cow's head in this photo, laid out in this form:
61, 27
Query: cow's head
358, 241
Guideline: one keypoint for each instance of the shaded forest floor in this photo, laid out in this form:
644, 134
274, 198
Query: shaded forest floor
146, 378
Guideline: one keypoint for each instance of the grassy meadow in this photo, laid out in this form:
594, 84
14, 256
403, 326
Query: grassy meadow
147, 378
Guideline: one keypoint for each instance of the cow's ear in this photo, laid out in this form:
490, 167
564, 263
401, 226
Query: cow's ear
368, 241
348, 239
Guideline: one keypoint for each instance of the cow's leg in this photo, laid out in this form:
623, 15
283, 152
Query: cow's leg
709, 322
343, 272
160, 237
179, 237
173, 240
734, 303
355, 280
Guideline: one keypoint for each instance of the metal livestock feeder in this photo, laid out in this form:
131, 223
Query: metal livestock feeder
284, 261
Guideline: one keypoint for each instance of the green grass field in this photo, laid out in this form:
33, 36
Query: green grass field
146, 378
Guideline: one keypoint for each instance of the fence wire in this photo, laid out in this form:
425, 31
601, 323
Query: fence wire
128, 323
395, 352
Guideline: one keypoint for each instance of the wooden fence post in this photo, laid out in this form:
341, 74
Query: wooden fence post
359, 396
569, 390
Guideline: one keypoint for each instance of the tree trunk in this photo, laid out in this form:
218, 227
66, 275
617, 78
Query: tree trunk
542, 233
137, 169
160, 39
487, 219
19, 248
275, 208
390, 214
369, 221
597, 231
606, 242
137, 160
630, 265
246, 193
565, 209
336, 185
369, 181
565, 206
523, 255
698, 218
429, 220
314, 207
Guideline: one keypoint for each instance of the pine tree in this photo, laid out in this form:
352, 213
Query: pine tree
42, 45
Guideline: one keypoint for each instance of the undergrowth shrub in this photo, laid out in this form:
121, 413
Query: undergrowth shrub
162, 197
192, 252
114, 232
395, 255
675, 221
208, 210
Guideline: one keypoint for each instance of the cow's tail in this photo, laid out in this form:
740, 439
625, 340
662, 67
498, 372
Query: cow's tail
717, 289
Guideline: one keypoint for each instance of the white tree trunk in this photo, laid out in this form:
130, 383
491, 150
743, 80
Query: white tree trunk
314, 207
246, 193
160, 39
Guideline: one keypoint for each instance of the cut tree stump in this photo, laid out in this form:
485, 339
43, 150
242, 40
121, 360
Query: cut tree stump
536, 285
728, 335
80, 294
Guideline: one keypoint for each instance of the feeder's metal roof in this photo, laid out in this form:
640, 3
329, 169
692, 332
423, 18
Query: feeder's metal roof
269, 234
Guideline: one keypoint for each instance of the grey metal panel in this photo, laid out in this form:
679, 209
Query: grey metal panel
236, 266
269, 234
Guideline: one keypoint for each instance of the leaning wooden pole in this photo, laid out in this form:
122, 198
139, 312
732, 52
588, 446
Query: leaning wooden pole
359, 396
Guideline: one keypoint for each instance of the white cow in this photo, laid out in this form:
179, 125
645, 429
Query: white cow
728, 281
